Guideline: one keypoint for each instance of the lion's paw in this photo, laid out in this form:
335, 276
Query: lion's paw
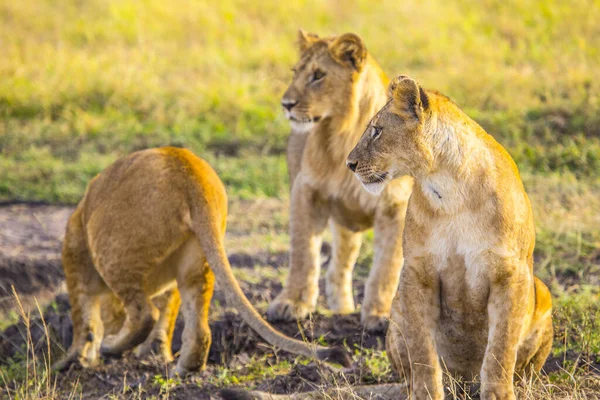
497, 392
375, 323
288, 310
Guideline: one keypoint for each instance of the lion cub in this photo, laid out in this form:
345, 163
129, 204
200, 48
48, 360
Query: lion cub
467, 297
153, 220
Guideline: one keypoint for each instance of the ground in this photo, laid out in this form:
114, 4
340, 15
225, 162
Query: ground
30, 244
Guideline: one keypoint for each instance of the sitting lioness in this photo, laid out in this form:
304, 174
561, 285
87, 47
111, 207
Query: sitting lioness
467, 299
153, 220
337, 87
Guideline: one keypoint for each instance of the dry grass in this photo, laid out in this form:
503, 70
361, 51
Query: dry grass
35, 380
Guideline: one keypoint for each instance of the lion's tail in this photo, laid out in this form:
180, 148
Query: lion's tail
209, 235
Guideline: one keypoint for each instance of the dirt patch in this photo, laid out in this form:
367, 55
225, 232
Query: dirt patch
30, 242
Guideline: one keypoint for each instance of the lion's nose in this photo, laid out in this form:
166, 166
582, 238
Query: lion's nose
352, 165
288, 104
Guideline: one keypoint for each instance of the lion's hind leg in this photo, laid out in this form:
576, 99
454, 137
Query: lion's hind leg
535, 349
141, 315
85, 286
161, 337
539, 358
195, 281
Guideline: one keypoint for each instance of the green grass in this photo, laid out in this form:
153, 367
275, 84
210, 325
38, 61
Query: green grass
36, 175
256, 369
83, 83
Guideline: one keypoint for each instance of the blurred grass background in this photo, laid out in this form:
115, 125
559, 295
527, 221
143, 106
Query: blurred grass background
84, 82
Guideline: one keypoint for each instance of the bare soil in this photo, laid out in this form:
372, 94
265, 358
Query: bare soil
30, 240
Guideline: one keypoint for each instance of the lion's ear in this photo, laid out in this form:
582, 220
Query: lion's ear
305, 39
349, 49
409, 99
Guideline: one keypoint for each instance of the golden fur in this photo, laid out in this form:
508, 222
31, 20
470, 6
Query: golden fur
467, 298
153, 220
337, 87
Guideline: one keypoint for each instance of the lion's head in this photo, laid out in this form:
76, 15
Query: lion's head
324, 78
396, 141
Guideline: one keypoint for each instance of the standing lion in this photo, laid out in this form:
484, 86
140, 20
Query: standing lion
336, 89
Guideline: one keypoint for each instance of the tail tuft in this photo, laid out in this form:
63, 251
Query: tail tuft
337, 355
237, 394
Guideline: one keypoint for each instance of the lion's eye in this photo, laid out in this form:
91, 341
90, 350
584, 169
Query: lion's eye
375, 132
318, 75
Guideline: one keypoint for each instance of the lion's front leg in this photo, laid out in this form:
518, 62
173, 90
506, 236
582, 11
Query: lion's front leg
413, 324
345, 249
507, 308
388, 259
308, 218
396, 344
86, 288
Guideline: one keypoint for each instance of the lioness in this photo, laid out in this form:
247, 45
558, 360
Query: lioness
467, 296
152, 220
337, 87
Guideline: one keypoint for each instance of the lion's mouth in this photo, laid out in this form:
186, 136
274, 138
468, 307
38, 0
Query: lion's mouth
304, 120
376, 177
375, 182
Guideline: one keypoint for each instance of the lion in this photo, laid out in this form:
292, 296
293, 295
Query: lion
467, 298
153, 223
337, 87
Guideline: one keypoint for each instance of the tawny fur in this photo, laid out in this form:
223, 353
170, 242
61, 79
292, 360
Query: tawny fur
468, 298
337, 87
153, 221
